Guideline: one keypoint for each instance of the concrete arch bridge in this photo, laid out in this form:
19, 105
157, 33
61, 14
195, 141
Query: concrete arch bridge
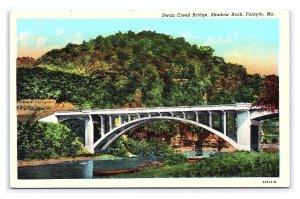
244, 133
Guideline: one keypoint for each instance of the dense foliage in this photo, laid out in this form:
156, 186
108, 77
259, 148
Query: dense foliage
44, 140
156, 148
109, 72
238, 164
130, 70
269, 98
25, 62
270, 131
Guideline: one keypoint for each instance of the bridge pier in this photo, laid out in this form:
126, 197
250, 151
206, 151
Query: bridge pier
110, 123
102, 125
210, 119
121, 121
129, 117
184, 115
197, 116
224, 123
243, 130
89, 134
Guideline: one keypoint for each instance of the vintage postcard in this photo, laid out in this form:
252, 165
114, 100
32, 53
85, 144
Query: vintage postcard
149, 99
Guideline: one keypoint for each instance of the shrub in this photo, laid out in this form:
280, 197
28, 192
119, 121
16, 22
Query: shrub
154, 148
46, 140
237, 164
174, 158
119, 149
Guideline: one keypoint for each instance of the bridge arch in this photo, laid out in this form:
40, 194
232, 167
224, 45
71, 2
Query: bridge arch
105, 141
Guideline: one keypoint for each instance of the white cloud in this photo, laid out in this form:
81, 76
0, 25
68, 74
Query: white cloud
41, 40
59, 32
222, 40
77, 38
23, 35
23, 39
217, 40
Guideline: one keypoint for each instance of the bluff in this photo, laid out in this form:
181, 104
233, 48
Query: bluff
136, 69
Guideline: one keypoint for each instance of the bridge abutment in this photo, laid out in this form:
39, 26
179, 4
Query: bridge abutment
243, 130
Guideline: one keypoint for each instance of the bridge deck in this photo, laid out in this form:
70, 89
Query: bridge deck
228, 107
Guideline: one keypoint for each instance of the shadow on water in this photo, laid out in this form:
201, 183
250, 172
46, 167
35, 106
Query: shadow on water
80, 169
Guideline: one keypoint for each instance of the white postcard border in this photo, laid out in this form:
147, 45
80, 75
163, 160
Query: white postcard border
284, 76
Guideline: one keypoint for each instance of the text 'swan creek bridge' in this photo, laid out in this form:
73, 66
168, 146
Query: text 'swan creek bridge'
245, 122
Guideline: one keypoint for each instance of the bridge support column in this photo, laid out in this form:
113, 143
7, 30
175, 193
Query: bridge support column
197, 117
224, 123
244, 130
102, 126
129, 117
121, 121
89, 134
184, 115
210, 121
110, 123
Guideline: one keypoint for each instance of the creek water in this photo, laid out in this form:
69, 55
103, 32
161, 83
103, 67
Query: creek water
80, 169
84, 169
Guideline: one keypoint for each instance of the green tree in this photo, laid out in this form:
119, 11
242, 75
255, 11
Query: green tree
42, 140
269, 97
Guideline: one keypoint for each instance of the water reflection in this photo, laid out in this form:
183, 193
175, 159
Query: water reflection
88, 169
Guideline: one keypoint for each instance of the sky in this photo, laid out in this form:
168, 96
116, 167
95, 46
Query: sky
253, 43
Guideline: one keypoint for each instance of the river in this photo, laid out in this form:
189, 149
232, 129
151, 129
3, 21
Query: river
80, 169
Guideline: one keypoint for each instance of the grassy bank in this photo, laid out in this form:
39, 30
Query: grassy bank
238, 164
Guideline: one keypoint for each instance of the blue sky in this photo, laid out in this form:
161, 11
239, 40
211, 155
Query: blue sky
253, 43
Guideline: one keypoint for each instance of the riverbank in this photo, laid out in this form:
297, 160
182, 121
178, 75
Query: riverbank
236, 164
28, 163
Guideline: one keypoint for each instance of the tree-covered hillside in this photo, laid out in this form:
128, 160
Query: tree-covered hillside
136, 69
129, 70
